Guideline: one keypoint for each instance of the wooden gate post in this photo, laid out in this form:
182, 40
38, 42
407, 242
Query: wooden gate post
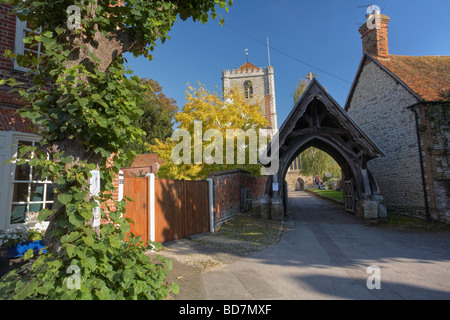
151, 206
211, 203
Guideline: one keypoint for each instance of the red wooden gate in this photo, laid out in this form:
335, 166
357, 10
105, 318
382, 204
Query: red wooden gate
137, 210
181, 208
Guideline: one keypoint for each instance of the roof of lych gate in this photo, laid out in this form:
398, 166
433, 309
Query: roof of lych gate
315, 90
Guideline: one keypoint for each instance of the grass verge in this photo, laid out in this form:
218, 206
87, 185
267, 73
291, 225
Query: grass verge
251, 227
336, 195
406, 223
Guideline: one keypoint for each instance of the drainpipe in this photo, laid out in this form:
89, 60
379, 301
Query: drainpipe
422, 169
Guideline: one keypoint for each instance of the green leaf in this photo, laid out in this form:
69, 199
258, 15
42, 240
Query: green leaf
44, 214
27, 289
102, 122
7, 161
80, 252
128, 276
59, 30
89, 240
45, 287
65, 198
103, 293
67, 159
76, 219
115, 241
28, 255
70, 249
175, 288
83, 102
71, 237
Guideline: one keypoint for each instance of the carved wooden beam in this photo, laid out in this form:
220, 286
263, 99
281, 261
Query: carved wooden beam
318, 131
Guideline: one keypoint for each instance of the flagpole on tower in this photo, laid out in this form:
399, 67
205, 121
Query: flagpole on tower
246, 54
268, 51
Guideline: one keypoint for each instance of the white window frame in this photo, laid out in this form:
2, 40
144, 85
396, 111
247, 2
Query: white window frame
15, 138
19, 47
28, 202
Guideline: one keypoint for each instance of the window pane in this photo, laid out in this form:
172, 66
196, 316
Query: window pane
20, 192
37, 192
18, 213
35, 207
49, 206
35, 174
22, 172
50, 195
24, 143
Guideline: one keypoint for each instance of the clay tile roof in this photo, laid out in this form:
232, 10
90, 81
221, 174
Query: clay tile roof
147, 159
427, 76
247, 65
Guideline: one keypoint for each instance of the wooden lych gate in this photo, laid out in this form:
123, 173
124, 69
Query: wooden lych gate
349, 196
318, 121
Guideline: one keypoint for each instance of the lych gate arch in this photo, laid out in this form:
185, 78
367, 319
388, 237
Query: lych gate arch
318, 121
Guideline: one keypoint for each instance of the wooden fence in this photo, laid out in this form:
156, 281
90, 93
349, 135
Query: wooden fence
167, 210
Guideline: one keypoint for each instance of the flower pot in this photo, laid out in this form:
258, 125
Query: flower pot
20, 249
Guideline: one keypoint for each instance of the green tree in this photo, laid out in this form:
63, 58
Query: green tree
315, 161
158, 118
301, 87
231, 112
83, 106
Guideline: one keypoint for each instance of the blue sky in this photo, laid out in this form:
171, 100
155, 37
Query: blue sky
323, 34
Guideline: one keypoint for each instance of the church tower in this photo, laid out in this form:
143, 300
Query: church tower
255, 83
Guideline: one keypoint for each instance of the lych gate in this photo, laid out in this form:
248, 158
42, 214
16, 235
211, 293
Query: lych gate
318, 121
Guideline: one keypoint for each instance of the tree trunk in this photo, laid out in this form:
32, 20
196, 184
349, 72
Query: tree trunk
75, 149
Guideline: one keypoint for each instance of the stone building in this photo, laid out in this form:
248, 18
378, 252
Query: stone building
295, 180
255, 83
390, 99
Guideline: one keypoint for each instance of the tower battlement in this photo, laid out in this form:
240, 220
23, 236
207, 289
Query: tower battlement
255, 83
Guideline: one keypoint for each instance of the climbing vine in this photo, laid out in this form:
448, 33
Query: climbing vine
439, 115
82, 103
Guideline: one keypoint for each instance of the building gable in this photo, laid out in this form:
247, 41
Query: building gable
365, 61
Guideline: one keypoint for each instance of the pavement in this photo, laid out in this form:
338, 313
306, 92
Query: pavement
323, 253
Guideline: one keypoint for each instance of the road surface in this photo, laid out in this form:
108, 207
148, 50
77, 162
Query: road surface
326, 253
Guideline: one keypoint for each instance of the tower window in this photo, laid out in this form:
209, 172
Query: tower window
248, 89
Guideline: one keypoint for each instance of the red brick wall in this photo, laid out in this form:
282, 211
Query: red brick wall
9, 102
227, 191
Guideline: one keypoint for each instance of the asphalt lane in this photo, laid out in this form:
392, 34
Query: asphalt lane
325, 253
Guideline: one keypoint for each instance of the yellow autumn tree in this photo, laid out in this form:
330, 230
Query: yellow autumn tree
214, 134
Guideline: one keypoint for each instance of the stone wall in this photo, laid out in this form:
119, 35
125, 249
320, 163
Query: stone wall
227, 192
379, 107
293, 175
437, 171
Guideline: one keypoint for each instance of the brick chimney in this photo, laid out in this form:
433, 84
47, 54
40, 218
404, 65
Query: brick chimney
374, 35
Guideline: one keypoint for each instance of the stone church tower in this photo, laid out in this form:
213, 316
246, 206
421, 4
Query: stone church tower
255, 83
